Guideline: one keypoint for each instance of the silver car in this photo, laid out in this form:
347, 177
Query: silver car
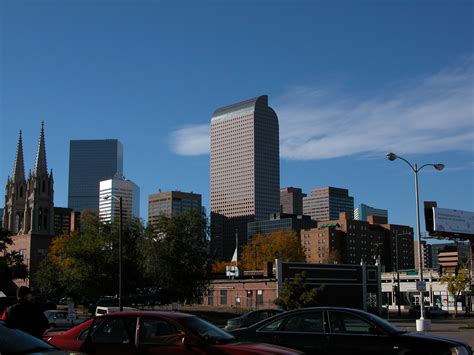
58, 319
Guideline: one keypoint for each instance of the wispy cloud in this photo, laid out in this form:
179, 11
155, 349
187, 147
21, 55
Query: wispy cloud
427, 115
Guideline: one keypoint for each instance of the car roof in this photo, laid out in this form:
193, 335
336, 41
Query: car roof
164, 314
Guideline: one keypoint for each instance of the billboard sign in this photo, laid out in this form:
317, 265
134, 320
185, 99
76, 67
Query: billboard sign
453, 221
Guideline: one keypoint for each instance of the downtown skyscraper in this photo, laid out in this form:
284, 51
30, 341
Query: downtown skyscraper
245, 171
90, 162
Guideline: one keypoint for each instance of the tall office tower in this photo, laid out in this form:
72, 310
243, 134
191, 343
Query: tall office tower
245, 171
110, 191
91, 161
426, 252
325, 203
172, 203
363, 211
291, 200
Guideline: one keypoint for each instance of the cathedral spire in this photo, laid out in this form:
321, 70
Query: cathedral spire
40, 164
19, 166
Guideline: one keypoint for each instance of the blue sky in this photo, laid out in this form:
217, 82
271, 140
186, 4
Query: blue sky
348, 80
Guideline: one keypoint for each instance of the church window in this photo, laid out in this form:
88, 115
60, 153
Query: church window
21, 191
44, 186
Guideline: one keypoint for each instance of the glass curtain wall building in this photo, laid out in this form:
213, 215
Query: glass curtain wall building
363, 211
91, 161
326, 203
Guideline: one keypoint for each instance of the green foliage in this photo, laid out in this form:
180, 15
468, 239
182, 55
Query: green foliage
299, 294
457, 284
85, 264
176, 258
12, 265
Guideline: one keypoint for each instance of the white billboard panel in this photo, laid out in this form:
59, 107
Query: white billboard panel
453, 221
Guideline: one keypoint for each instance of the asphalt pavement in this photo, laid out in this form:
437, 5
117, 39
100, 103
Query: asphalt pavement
449, 328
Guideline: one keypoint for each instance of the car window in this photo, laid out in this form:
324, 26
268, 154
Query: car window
159, 331
272, 326
115, 331
308, 322
347, 323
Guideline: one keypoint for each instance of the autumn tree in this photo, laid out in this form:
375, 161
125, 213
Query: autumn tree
86, 262
457, 283
282, 245
297, 293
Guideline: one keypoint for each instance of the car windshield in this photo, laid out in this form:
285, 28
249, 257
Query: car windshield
15, 341
382, 323
207, 331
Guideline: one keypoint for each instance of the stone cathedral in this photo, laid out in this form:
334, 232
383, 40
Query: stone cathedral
29, 206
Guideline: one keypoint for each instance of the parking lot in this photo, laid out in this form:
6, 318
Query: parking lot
446, 328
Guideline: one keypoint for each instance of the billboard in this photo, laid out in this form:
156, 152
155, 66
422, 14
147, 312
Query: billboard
453, 221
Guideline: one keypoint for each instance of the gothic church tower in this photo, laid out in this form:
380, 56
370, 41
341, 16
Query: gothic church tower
29, 206
15, 192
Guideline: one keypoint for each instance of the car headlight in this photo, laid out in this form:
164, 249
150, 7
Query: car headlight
460, 350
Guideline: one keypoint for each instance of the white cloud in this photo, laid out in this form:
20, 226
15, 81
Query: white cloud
191, 140
431, 114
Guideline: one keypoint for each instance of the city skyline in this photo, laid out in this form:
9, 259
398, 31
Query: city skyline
312, 94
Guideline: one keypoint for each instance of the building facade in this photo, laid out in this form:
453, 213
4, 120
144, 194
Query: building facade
349, 241
172, 203
66, 220
449, 256
245, 171
280, 222
291, 200
113, 189
427, 255
325, 203
363, 211
90, 162
29, 206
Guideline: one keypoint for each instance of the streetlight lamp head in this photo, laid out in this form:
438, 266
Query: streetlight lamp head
391, 156
106, 197
439, 167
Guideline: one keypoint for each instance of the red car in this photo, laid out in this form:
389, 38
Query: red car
142, 332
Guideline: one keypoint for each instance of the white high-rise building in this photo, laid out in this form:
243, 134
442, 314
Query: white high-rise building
110, 191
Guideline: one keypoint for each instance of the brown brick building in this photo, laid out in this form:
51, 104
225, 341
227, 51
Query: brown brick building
349, 241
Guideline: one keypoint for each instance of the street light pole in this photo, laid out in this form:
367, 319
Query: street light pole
120, 255
398, 276
120, 286
420, 324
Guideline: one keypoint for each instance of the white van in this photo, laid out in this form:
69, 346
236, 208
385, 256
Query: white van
100, 311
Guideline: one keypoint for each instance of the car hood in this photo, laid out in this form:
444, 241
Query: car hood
431, 338
258, 348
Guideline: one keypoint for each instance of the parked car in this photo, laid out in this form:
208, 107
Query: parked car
104, 301
334, 330
155, 332
249, 318
15, 341
100, 311
430, 312
58, 319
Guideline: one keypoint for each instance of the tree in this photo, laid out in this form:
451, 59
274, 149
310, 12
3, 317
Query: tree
283, 245
12, 265
297, 293
176, 259
85, 264
457, 283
